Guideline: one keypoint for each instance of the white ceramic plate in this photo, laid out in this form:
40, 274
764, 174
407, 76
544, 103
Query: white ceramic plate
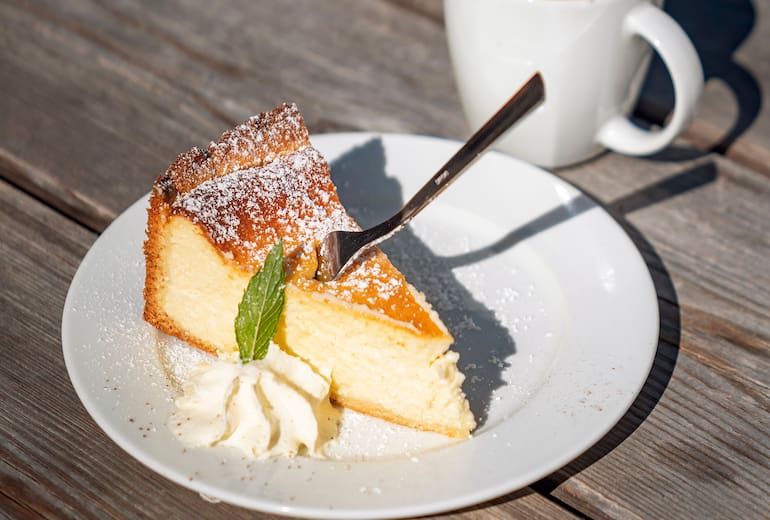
552, 307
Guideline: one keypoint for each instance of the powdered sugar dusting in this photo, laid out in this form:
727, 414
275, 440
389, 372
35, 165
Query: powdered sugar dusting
257, 141
247, 211
369, 277
262, 137
261, 182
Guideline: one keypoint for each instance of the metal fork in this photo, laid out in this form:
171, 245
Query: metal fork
339, 248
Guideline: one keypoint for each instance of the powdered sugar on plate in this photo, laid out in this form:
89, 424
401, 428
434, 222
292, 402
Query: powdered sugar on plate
360, 437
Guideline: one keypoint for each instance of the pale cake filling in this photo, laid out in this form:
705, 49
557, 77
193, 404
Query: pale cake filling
202, 293
202, 290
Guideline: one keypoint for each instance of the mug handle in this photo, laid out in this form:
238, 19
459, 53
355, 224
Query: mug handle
678, 54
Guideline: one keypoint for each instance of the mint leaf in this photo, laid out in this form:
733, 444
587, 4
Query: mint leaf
261, 307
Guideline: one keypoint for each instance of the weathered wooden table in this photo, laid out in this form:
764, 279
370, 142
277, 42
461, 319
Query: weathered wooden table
97, 97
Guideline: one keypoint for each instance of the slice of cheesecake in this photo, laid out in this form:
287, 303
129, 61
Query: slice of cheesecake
213, 217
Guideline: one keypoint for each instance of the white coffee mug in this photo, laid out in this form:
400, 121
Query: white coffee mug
593, 55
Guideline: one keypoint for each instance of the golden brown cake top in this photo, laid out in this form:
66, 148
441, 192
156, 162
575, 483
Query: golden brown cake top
263, 181
246, 211
258, 141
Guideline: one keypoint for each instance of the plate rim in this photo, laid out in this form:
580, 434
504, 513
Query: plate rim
462, 500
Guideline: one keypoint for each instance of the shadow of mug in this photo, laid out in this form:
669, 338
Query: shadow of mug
376, 197
717, 29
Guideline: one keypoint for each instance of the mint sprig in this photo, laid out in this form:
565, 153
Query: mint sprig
261, 307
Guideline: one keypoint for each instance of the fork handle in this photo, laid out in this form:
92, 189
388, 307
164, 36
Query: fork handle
529, 95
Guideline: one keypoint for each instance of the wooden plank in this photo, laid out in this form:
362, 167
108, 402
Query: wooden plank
55, 461
432, 9
701, 452
158, 84
113, 91
697, 440
129, 91
521, 504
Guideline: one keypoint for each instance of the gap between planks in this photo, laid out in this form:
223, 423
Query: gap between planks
46, 189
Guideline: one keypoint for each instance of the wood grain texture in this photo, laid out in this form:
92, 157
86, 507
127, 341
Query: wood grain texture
432, 9
697, 441
54, 461
707, 219
97, 97
113, 94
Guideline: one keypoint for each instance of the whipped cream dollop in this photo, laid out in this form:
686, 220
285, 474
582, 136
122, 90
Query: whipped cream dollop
274, 406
